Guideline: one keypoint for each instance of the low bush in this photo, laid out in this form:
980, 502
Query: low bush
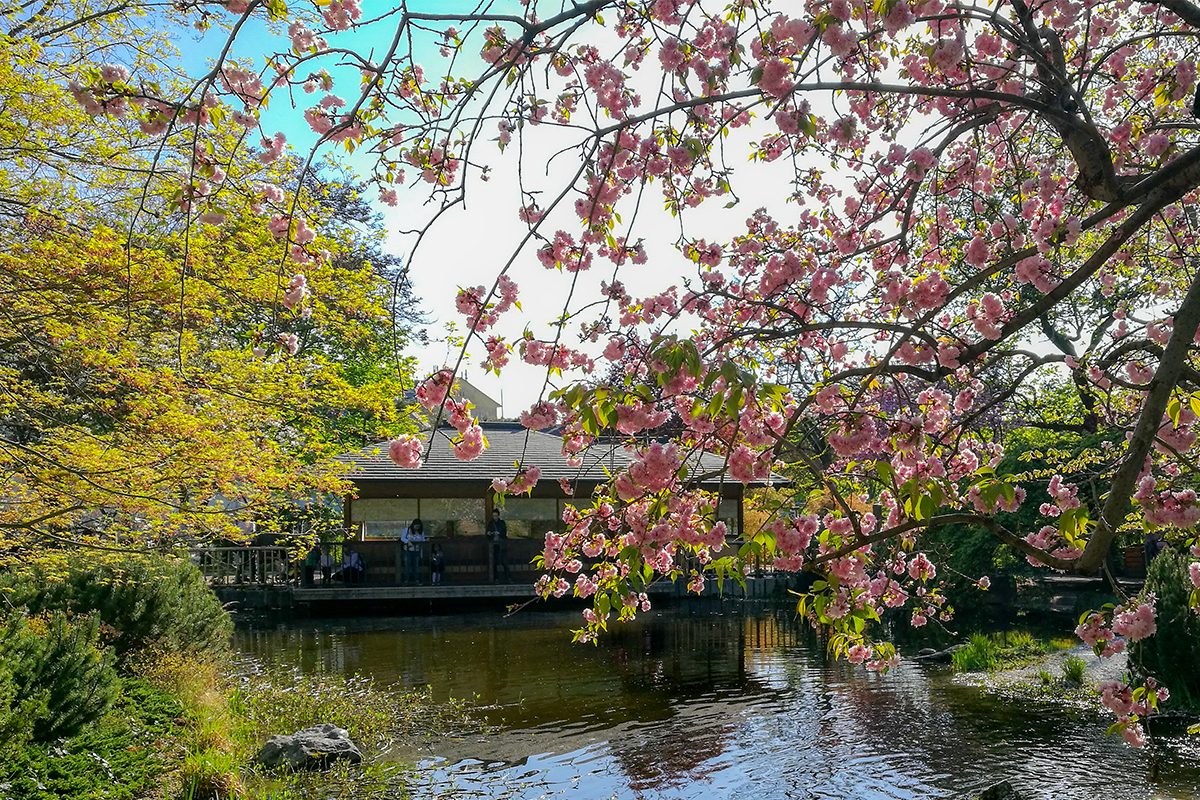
141, 601
1021, 641
54, 677
1004, 650
122, 755
1172, 654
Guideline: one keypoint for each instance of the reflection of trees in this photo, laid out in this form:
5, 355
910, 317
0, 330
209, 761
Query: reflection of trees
683, 675
703, 700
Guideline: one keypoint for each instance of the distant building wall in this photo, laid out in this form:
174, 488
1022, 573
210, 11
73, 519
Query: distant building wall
486, 409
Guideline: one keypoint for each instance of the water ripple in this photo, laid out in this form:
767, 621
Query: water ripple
683, 708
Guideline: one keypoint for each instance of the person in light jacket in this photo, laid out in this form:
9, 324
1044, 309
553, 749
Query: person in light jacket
411, 540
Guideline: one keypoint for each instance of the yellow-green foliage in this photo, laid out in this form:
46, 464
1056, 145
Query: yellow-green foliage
147, 382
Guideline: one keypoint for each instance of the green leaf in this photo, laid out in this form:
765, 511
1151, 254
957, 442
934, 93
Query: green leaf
926, 507
1173, 409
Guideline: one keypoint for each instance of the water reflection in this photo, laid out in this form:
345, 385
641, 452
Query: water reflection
682, 706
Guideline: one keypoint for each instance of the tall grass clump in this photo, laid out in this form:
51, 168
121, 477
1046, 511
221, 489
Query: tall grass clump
1074, 669
980, 654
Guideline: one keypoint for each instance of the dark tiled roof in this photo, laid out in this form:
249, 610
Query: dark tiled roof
507, 444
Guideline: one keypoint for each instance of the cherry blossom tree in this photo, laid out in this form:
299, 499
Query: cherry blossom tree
902, 223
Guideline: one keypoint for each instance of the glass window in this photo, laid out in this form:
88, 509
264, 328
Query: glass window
729, 515
581, 503
454, 516
384, 530
530, 508
383, 509
531, 516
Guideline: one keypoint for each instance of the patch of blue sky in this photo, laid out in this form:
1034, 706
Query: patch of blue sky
259, 38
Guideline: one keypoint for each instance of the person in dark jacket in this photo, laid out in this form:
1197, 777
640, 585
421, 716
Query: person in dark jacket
497, 531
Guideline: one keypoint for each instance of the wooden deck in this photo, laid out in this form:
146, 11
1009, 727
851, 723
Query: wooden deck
355, 599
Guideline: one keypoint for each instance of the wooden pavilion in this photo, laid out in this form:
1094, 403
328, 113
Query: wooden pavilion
454, 500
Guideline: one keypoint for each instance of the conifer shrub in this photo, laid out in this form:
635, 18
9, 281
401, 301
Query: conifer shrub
54, 676
142, 602
1172, 654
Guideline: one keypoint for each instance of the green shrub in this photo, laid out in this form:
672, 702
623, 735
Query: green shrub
1172, 654
981, 654
54, 678
142, 602
1074, 669
123, 755
1044, 677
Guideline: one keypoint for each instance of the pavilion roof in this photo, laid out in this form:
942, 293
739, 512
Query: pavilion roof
509, 443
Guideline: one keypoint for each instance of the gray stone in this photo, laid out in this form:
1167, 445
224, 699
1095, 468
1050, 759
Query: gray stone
312, 748
1001, 791
929, 654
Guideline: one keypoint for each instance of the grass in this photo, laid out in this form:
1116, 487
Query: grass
1004, 650
981, 654
184, 730
1074, 669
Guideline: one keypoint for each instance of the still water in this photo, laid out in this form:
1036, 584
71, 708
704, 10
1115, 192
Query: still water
717, 706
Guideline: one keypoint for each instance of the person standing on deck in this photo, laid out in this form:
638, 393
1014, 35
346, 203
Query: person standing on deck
437, 564
411, 540
326, 562
497, 531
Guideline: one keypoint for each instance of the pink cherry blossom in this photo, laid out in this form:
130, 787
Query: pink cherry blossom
407, 451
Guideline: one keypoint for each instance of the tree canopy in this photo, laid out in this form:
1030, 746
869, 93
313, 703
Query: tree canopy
912, 228
168, 382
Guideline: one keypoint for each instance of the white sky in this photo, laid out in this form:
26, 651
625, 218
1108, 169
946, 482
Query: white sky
470, 244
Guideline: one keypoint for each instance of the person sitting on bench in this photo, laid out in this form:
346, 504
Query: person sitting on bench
352, 566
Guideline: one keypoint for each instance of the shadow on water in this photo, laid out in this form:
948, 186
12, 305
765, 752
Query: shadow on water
712, 706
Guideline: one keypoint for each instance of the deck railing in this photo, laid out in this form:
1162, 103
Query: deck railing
242, 566
467, 561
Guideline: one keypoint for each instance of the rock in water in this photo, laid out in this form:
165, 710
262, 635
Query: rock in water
311, 748
1001, 791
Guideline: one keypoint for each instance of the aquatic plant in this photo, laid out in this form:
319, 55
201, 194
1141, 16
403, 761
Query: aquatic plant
1074, 668
980, 654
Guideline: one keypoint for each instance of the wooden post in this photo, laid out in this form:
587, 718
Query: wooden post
741, 496
488, 505
346, 517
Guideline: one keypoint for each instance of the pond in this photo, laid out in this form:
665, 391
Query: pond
698, 705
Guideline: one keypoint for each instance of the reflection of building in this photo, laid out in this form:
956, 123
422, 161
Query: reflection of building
454, 498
